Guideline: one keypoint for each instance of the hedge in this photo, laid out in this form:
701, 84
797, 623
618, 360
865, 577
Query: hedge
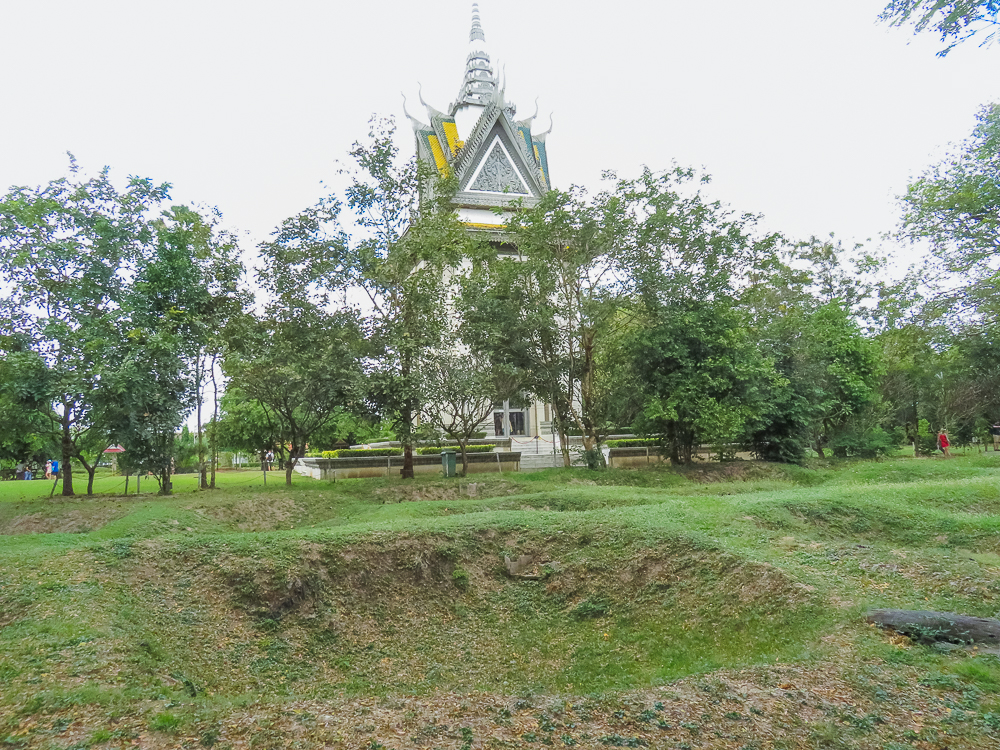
362, 452
633, 443
468, 449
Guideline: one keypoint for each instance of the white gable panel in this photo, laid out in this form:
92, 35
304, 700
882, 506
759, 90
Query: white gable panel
497, 173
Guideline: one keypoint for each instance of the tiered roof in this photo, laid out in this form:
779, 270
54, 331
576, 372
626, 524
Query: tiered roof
498, 160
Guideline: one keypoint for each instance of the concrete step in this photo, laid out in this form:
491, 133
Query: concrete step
536, 461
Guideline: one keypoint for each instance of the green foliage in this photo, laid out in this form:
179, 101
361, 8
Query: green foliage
954, 206
427, 451
704, 377
955, 20
362, 452
302, 368
633, 443
72, 245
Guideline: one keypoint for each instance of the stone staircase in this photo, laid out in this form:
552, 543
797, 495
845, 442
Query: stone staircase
536, 461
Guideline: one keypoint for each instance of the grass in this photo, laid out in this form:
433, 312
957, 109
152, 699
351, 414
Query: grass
377, 613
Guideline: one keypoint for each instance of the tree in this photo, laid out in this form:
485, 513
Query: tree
457, 393
67, 250
955, 207
143, 399
25, 407
195, 290
704, 378
955, 20
412, 243
301, 371
407, 241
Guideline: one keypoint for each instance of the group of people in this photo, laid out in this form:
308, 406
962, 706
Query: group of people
26, 470
944, 444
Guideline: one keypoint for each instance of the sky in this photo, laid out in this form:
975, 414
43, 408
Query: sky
810, 113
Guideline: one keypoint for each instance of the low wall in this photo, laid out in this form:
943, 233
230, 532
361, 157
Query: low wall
622, 458
381, 466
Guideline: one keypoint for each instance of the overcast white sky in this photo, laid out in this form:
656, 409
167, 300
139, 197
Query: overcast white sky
807, 111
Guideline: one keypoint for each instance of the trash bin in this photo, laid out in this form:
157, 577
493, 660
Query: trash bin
448, 462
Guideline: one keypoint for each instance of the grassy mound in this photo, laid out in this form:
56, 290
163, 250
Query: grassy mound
715, 607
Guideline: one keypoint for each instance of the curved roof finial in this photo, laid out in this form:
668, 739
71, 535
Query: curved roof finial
413, 121
420, 93
547, 131
536, 111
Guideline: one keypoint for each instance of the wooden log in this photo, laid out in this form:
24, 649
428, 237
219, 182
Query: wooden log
931, 627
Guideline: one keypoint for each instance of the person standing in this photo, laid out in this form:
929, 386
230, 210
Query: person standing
995, 433
944, 444
55, 468
48, 469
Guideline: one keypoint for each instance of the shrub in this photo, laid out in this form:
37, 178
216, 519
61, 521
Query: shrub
468, 449
460, 578
926, 440
861, 443
362, 452
633, 443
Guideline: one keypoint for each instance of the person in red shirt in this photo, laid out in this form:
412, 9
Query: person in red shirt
943, 442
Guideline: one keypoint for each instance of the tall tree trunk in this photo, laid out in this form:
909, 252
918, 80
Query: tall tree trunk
202, 474
290, 460
166, 486
67, 454
407, 472
214, 445
91, 470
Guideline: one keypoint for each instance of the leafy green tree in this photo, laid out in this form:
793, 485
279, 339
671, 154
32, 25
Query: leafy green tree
457, 394
195, 290
67, 250
244, 424
955, 207
407, 242
25, 408
839, 370
704, 377
411, 242
301, 371
955, 20
143, 399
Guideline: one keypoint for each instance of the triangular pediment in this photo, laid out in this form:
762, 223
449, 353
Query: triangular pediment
497, 173
494, 168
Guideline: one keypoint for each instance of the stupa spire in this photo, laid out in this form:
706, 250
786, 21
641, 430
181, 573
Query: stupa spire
479, 84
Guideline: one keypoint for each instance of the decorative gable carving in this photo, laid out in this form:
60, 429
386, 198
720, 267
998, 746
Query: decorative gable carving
497, 174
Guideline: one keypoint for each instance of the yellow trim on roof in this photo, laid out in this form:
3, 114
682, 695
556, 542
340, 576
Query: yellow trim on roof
541, 168
451, 135
438, 152
479, 225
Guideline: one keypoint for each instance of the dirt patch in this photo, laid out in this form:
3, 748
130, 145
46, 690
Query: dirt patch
728, 471
264, 513
75, 521
822, 706
462, 490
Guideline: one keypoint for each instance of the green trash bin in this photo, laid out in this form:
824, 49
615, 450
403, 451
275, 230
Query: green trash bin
448, 462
